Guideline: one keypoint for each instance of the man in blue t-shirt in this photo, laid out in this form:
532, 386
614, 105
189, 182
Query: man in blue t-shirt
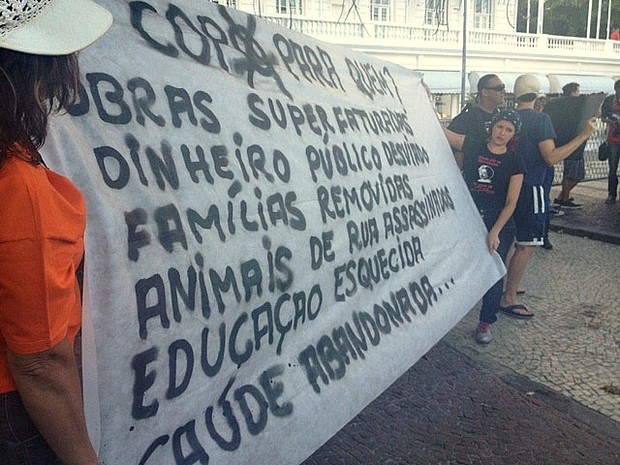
536, 145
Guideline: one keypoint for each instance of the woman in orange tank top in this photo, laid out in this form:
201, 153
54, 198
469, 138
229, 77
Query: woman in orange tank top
42, 221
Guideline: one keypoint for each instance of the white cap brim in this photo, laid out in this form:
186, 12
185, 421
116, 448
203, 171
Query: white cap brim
61, 28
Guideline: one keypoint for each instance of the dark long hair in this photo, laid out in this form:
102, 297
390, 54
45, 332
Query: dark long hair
31, 88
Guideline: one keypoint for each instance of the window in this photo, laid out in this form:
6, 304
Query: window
228, 3
482, 14
380, 10
435, 12
288, 6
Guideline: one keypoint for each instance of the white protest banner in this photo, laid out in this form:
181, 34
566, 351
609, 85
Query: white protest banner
277, 231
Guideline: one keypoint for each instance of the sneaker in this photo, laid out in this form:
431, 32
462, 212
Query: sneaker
483, 333
610, 200
570, 204
555, 210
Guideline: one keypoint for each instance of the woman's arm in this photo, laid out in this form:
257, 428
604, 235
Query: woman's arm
49, 386
514, 188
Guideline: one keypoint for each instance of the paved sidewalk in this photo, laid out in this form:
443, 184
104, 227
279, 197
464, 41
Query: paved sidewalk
595, 220
545, 392
573, 344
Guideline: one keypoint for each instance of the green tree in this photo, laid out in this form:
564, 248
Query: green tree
568, 17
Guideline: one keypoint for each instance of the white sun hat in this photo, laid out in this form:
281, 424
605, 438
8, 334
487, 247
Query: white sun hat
51, 27
527, 84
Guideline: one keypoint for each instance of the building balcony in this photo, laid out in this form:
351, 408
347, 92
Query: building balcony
396, 35
594, 63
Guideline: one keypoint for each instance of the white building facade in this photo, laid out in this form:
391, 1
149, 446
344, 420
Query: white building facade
428, 36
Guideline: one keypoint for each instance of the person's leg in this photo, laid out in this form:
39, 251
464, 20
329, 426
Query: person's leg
547, 245
529, 221
518, 264
492, 298
548, 181
567, 186
574, 172
612, 179
560, 197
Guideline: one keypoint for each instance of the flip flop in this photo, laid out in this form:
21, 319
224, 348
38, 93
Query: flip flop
510, 311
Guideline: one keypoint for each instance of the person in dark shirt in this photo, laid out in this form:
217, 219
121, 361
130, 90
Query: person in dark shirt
566, 120
493, 173
472, 120
610, 114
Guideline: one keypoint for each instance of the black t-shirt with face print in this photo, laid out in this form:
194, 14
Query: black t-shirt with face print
487, 175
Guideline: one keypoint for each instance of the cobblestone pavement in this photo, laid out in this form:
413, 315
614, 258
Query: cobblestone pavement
573, 343
545, 392
596, 220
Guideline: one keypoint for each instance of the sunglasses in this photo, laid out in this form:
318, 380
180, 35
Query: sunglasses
498, 88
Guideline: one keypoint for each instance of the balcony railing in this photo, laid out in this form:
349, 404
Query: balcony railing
483, 40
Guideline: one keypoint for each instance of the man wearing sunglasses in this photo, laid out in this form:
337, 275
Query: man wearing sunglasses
472, 120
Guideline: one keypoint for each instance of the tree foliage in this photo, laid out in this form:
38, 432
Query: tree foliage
568, 17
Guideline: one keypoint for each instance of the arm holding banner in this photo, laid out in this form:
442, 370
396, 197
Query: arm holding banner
49, 386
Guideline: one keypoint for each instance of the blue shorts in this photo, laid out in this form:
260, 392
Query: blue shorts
530, 216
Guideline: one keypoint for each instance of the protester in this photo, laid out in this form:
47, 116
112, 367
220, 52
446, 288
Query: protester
540, 103
494, 174
537, 148
42, 219
472, 120
566, 125
610, 114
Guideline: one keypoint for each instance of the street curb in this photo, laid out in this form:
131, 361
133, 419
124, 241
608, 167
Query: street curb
559, 402
565, 404
582, 232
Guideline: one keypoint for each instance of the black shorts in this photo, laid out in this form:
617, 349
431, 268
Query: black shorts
530, 216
